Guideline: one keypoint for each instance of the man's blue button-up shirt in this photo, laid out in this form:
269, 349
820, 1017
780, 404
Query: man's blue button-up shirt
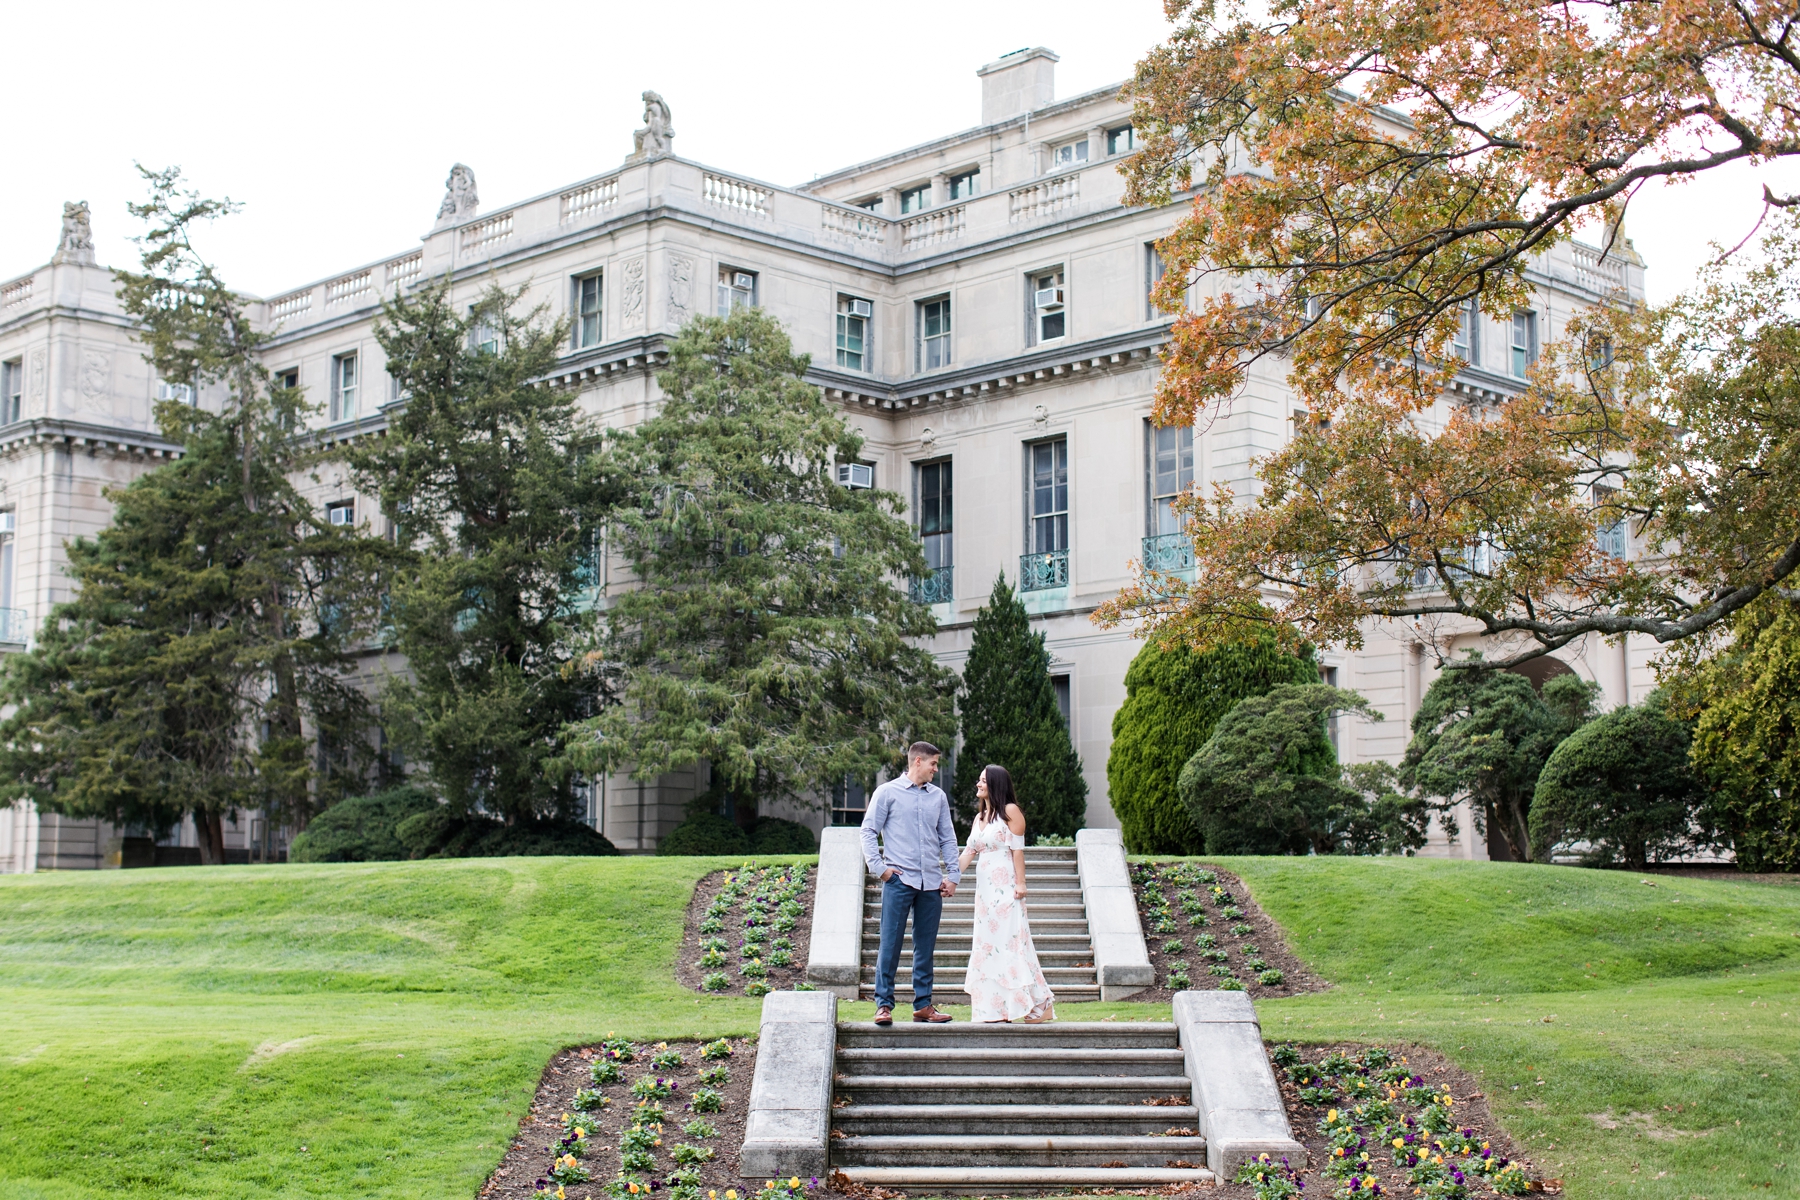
916, 834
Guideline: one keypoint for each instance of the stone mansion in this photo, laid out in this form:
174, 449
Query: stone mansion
977, 306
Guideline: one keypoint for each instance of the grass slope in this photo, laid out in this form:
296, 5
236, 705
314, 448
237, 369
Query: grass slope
334, 1030
376, 1030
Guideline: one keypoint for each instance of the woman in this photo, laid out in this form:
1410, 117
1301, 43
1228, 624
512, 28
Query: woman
1004, 982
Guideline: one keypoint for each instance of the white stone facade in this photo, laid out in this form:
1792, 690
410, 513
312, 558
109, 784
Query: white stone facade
1016, 223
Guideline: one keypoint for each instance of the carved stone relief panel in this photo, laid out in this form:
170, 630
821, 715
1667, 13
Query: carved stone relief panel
96, 372
681, 289
631, 302
35, 381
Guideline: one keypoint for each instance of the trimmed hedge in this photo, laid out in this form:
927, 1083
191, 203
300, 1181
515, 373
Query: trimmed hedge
362, 828
705, 833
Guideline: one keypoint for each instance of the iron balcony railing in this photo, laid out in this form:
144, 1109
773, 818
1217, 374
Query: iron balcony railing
12, 625
938, 587
1044, 570
1169, 553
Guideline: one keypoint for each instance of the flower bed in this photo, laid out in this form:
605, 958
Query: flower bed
626, 1119
1204, 931
1386, 1121
748, 931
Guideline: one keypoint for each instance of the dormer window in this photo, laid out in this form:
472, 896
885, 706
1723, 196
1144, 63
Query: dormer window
1069, 154
914, 200
965, 185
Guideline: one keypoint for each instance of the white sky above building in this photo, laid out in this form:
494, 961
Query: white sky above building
335, 123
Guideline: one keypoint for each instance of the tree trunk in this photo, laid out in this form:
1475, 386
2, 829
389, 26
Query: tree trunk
1499, 841
209, 830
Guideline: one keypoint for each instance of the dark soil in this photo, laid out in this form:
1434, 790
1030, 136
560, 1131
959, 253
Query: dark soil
1265, 936
527, 1163
688, 971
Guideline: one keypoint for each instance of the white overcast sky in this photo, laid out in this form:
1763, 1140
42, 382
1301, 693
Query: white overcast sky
335, 123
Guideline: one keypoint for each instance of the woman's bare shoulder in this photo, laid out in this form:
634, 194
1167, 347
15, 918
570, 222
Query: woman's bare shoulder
1015, 818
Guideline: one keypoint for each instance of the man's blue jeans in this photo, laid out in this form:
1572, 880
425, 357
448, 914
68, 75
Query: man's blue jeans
926, 908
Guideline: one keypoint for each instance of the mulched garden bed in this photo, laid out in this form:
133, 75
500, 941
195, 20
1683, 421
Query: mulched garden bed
771, 904
545, 1136
1207, 919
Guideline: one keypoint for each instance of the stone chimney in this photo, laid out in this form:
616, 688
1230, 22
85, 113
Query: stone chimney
1017, 83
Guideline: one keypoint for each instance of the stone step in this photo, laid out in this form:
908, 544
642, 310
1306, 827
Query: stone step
959, 910
1074, 939
978, 1181
1050, 1120
947, 973
1074, 1034
1011, 1089
1068, 993
990, 1149
1117, 1061
959, 959
1062, 885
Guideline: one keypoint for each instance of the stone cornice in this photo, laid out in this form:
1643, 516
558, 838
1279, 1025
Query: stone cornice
81, 435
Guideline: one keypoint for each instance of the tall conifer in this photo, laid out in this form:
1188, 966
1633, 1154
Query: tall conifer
1010, 718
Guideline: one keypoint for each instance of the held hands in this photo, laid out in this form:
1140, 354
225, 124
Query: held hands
946, 889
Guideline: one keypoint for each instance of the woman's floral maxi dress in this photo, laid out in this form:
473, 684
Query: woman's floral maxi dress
1005, 982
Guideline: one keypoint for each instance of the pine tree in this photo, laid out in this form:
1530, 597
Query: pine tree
1174, 696
1010, 718
766, 635
211, 633
496, 496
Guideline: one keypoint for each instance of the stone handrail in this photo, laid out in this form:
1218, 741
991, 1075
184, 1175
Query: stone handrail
1121, 960
834, 959
1241, 1110
787, 1130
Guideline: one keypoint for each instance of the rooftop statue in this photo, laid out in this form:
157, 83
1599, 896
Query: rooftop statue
77, 245
654, 138
460, 201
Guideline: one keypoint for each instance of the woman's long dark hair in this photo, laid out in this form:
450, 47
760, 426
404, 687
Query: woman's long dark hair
1000, 794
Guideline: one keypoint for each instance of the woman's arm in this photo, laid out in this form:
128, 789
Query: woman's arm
1015, 821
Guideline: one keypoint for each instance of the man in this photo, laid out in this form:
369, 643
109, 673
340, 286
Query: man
916, 863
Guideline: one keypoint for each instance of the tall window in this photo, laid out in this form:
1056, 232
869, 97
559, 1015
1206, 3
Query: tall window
965, 185
914, 200
1524, 341
1069, 154
289, 378
1467, 343
936, 513
7, 531
934, 333
12, 391
1609, 526
343, 387
848, 802
1122, 140
853, 332
737, 289
1153, 273
1171, 473
1050, 496
587, 311
1049, 316
1060, 685
484, 333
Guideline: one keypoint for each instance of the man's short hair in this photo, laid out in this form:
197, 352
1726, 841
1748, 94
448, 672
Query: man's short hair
923, 750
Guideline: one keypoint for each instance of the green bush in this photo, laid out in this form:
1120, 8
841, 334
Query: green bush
361, 828
1622, 785
772, 835
439, 833
1174, 698
705, 833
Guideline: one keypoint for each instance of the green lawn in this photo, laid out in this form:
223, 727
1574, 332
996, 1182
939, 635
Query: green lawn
377, 1030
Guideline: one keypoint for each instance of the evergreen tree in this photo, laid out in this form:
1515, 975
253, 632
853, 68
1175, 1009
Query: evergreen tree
1010, 718
496, 498
211, 632
766, 634
1485, 735
1174, 697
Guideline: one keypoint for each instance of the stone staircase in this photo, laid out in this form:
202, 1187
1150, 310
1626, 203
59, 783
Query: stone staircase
1059, 929
969, 1109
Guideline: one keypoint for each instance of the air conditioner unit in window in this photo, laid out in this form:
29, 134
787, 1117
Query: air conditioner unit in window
861, 308
1047, 297
856, 475
744, 280
340, 514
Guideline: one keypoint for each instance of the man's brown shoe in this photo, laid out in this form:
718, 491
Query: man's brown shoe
930, 1013
884, 1015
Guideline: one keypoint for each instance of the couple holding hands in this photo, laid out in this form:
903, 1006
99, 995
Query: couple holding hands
918, 863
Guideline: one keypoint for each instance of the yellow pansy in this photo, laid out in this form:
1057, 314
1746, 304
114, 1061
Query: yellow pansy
794, 1182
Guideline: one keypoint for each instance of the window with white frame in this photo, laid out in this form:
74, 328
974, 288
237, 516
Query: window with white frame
587, 299
1524, 341
341, 513
12, 391
8, 534
343, 388
484, 331
737, 289
934, 333
1610, 535
1466, 344
1122, 140
937, 512
916, 199
287, 379
853, 316
1329, 677
1049, 313
849, 802
1153, 273
180, 393
1069, 154
1171, 473
965, 184
1049, 490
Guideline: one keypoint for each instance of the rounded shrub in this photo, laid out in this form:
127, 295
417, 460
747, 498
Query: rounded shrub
1174, 698
705, 833
772, 835
362, 828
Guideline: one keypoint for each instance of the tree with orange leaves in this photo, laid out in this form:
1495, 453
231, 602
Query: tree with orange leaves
1363, 171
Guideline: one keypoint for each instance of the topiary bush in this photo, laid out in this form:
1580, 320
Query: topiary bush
705, 833
772, 835
362, 828
439, 833
1174, 698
